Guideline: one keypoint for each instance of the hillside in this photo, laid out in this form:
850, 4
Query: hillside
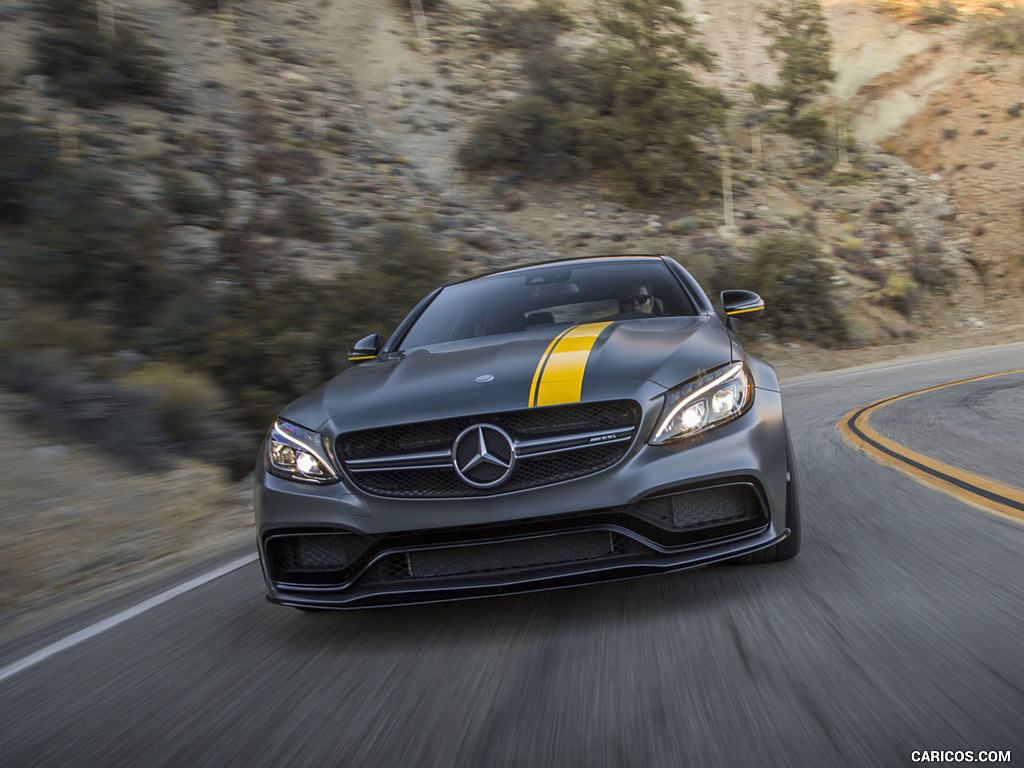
293, 129
905, 84
311, 123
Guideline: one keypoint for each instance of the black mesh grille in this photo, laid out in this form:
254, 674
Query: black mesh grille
502, 557
529, 473
529, 424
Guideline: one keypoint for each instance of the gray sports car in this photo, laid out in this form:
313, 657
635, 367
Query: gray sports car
537, 427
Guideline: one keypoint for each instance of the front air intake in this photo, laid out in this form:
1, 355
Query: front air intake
316, 559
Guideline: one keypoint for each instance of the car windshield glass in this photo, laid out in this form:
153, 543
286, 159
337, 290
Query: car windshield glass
564, 293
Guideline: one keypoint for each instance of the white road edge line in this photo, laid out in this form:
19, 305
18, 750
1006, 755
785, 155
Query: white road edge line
119, 618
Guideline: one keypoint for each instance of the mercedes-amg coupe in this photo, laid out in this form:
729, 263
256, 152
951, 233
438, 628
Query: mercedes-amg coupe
537, 427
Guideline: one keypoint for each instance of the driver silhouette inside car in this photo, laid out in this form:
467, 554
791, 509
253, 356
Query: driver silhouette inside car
639, 299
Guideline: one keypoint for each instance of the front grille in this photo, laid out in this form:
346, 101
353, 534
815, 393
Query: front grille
502, 557
414, 460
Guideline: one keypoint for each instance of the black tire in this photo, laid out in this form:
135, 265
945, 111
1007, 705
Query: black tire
789, 547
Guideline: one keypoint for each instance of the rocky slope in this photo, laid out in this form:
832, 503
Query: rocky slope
309, 123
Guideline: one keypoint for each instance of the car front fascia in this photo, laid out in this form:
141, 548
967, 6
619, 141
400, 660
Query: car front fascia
749, 449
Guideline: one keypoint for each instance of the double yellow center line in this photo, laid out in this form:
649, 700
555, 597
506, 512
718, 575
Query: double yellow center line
977, 490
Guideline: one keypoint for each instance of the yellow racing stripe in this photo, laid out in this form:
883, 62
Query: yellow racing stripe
559, 375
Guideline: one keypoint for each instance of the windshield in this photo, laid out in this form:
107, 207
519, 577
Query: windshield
558, 294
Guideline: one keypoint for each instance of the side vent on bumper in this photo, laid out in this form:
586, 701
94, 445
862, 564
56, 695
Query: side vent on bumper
703, 508
316, 559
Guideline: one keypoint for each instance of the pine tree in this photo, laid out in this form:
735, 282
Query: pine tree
628, 107
647, 109
654, 29
802, 43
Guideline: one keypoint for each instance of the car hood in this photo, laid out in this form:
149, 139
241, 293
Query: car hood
503, 373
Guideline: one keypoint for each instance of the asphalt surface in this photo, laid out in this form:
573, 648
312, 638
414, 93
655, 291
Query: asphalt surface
899, 629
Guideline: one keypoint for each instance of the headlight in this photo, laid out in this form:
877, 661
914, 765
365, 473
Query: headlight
297, 453
708, 401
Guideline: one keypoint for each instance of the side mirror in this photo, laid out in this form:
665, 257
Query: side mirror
741, 305
365, 349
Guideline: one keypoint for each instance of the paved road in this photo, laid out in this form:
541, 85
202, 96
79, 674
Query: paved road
900, 628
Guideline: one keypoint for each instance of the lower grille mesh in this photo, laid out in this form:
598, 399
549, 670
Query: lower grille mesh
529, 473
502, 557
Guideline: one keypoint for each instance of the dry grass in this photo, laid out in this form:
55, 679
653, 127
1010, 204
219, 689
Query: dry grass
76, 524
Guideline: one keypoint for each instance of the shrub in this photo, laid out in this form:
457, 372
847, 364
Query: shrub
704, 268
26, 159
401, 262
186, 400
265, 358
69, 401
92, 62
796, 284
1001, 28
873, 273
901, 291
643, 120
47, 326
942, 12
846, 174
930, 269
403, 5
810, 124
308, 220
295, 165
211, 6
714, 264
143, 419
533, 134
536, 26
85, 249
191, 411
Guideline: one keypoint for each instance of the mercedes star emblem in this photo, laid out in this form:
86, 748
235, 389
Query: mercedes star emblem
484, 455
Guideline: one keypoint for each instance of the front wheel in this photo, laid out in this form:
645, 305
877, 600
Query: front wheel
789, 547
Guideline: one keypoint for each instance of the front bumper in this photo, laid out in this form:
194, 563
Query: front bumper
663, 508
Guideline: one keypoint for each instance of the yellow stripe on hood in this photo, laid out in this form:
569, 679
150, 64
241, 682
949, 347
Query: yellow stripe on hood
559, 375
